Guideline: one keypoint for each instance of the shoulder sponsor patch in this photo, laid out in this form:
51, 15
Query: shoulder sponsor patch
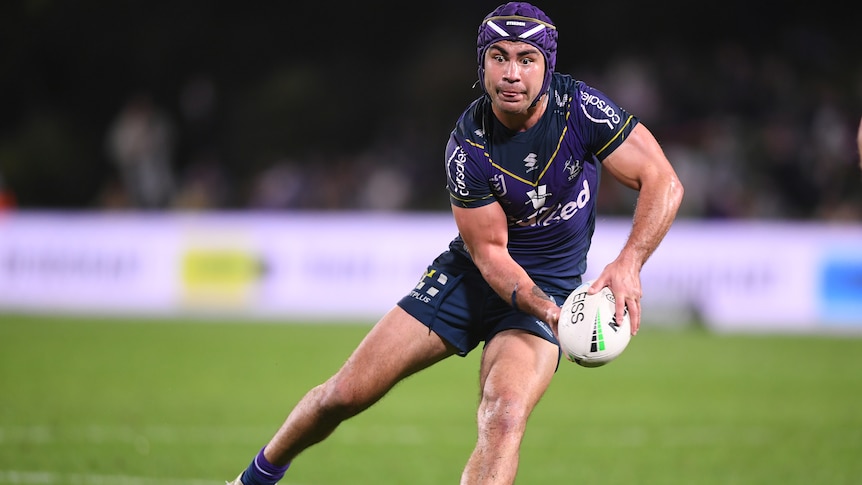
598, 110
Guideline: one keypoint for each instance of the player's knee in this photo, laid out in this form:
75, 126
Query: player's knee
341, 399
505, 414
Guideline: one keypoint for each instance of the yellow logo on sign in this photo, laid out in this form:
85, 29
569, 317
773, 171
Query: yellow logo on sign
220, 277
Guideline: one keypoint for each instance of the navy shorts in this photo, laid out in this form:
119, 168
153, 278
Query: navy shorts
454, 301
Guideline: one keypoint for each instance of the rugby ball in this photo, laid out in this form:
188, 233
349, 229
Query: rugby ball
589, 333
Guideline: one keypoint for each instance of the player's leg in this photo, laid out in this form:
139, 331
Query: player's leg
397, 346
394, 348
516, 370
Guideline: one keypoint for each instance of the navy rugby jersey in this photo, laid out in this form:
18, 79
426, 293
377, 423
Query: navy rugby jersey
545, 178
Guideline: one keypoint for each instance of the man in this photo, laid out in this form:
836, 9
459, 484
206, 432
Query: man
523, 166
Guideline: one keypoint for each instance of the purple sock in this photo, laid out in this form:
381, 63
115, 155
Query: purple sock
262, 472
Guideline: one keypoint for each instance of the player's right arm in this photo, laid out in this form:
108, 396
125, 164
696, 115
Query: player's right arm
483, 227
486, 235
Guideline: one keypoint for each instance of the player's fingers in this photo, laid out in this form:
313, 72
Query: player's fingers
634, 308
597, 285
620, 310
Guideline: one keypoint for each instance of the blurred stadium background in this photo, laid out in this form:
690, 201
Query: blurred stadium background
295, 105
163, 163
183, 150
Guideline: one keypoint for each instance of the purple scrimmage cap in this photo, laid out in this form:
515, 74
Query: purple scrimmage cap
519, 21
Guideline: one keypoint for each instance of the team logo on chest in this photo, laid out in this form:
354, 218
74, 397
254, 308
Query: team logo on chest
574, 167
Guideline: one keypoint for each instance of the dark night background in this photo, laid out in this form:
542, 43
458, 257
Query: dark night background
286, 105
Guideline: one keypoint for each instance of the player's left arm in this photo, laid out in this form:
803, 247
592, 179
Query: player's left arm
640, 163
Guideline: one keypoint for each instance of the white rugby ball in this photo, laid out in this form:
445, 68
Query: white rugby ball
589, 333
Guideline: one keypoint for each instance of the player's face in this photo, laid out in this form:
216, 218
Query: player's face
514, 73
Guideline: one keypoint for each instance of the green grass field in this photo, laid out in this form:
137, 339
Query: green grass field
145, 402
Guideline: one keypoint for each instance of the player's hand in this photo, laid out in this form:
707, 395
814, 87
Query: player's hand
552, 318
626, 287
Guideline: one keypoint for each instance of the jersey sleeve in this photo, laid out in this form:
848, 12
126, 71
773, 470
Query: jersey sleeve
466, 177
602, 123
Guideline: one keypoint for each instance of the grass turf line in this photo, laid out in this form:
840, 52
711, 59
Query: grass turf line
180, 400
